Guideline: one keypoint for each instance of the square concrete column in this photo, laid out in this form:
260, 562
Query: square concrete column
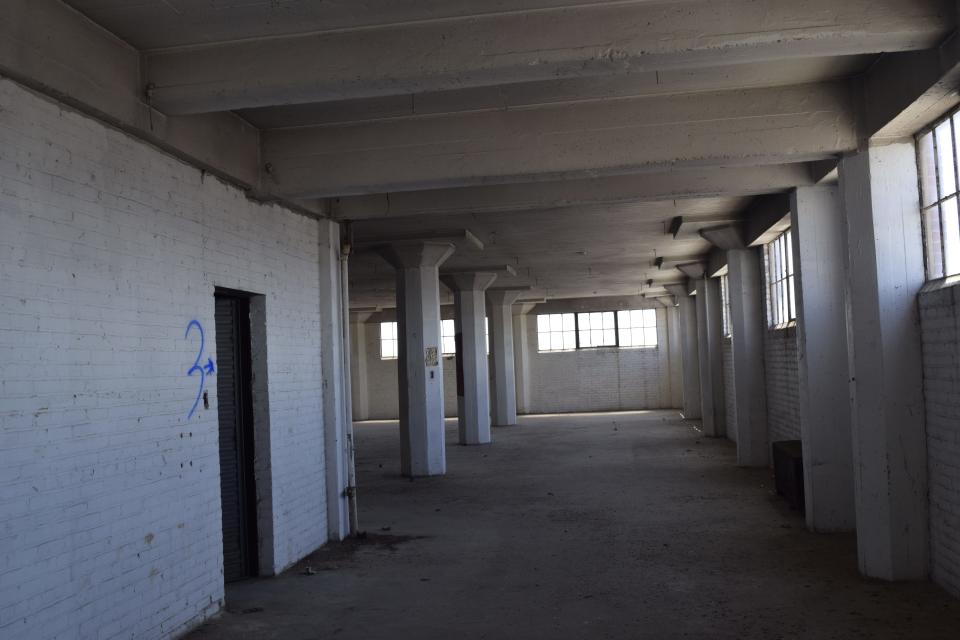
884, 275
748, 328
521, 354
501, 353
690, 352
358, 365
710, 333
817, 220
420, 365
473, 383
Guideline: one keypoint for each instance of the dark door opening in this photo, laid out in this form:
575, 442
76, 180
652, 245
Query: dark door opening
238, 495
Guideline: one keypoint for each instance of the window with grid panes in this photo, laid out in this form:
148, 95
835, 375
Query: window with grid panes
556, 332
597, 329
781, 299
637, 328
448, 337
388, 340
937, 163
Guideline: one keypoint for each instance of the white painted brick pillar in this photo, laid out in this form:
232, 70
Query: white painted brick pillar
817, 220
748, 329
420, 388
710, 334
884, 274
473, 380
501, 353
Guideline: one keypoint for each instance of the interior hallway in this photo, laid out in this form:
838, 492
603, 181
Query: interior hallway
621, 525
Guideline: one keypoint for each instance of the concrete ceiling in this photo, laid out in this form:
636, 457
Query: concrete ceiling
566, 134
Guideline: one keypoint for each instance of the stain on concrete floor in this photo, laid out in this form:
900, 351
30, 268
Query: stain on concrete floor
581, 526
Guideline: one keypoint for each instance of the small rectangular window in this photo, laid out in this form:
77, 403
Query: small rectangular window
448, 337
637, 328
597, 329
781, 299
725, 304
938, 166
556, 332
388, 341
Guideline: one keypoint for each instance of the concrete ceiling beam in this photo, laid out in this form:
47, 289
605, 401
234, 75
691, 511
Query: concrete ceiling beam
765, 218
905, 92
532, 196
726, 237
693, 270
527, 46
779, 125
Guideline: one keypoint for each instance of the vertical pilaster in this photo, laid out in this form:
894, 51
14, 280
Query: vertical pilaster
884, 275
521, 354
690, 353
817, 221
748, 328
358, 365
501, 353
710, 333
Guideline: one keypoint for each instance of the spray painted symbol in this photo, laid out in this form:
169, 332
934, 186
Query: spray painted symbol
203, 370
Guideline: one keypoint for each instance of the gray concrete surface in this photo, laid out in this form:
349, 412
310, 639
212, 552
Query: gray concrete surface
622, 525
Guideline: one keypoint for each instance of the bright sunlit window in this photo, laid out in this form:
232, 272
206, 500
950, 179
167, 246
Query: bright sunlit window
448, 337
725, 302
781, 299
597, 329
937, 159
556, 332
637, 328
388, 340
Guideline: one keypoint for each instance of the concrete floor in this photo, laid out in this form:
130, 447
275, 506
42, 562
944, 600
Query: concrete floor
624, 525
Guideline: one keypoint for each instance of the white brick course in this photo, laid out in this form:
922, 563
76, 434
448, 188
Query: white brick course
783, 386
109, 494
940, 325
729, 390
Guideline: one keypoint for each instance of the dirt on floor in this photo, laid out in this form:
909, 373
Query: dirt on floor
627, 525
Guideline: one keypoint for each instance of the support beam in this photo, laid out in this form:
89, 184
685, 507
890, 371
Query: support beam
521, 353
359, 386
710, 334
885, 273
500, 313
819, 253
777, 125
665, 185
420, 365
529, 46
748, 330
690, 351
473, 380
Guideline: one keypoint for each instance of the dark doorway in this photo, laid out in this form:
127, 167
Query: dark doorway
238, 495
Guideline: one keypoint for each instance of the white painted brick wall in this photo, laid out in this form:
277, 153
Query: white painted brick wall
596, 379
109, 495
729, 391
940, 325
783, 386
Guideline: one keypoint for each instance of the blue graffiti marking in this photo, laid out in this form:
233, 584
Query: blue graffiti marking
197, 367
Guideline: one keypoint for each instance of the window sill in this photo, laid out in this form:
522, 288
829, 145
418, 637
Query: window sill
940, 283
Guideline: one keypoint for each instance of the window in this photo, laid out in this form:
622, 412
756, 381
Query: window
588, 330
637, 328
448, 337
597, 329
556, 332
486, 329
781, 300
937, 160
388, 340
725, 302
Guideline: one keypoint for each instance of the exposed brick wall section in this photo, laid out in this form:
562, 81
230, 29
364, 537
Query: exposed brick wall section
729, 391
595, 379
783, 387
940, 330
110, 494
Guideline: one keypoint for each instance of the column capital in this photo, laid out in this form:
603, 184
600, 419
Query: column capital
468, 281
522, 307
359, 316
506, 296
678, 290
411, 254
